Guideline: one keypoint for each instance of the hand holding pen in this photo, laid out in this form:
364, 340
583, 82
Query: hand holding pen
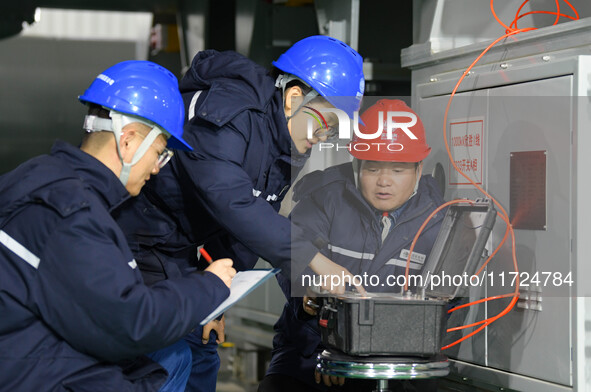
222, 268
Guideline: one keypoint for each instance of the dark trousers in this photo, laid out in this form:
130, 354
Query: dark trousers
206, 363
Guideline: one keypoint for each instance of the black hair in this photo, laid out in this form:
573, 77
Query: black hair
98, 110
416, 163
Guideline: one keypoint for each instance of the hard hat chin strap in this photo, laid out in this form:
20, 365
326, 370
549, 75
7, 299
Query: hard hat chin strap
414, 192
356, 168
120, 121
283, 80
116, 124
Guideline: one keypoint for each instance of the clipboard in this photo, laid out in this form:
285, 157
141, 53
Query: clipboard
242, 284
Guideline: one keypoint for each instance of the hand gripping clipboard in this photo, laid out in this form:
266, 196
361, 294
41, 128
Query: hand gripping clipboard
242, 284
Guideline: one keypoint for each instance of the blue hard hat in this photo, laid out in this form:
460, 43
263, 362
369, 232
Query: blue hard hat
330, 67
143, 89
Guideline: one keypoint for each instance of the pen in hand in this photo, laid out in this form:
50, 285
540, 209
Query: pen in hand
222, 267
205, 255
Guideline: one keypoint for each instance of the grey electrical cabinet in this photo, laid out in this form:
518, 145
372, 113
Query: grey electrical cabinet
520, 126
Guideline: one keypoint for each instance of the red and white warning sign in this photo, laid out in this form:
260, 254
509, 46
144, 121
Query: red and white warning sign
467, 146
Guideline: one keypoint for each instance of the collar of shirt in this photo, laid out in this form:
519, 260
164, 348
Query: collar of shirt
94, 173
393, 215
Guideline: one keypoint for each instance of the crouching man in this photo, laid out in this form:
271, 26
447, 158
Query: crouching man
76, 314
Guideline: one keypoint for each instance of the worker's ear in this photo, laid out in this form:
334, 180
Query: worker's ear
127, 144
293, 98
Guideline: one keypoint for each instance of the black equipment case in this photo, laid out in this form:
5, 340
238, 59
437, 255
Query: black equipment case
412, 324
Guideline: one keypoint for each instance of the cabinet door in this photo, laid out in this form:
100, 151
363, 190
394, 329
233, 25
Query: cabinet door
534, 116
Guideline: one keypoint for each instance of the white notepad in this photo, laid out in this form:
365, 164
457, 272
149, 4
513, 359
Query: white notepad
242, 284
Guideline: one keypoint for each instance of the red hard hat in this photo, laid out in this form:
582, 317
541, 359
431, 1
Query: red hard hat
407, 144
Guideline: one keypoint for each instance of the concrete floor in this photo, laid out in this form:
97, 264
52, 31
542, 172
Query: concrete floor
231, 386
227, 378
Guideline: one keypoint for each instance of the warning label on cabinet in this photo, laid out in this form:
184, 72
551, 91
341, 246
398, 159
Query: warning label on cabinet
467, 146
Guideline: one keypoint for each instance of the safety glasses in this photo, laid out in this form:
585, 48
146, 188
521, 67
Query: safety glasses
328, 133
163, 157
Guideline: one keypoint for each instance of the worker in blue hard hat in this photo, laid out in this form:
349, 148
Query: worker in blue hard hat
142, 93
76, 314
248, 127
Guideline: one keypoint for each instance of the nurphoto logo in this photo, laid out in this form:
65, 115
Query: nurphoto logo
388, 122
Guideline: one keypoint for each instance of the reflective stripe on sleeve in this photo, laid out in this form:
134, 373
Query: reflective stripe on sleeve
351, 253
19, 250
191, 111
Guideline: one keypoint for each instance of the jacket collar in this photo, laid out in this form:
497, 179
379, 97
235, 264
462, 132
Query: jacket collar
234, 84
412, 208
98, 177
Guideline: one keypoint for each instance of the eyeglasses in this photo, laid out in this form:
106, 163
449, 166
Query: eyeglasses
329, 132
163, 157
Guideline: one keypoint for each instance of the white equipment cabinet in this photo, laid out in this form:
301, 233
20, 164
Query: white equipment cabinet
527, 103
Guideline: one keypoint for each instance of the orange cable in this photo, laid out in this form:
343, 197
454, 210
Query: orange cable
486, 323
479, 301
545, 12
509, 31
466, 326
557, 13
507, 309
494, 252
504, 214
517, 17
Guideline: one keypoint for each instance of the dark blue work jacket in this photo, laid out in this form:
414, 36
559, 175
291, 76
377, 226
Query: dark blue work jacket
225, 194
334, 215
72, 300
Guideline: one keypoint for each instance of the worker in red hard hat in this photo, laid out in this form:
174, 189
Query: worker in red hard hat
363, 216
388, 164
